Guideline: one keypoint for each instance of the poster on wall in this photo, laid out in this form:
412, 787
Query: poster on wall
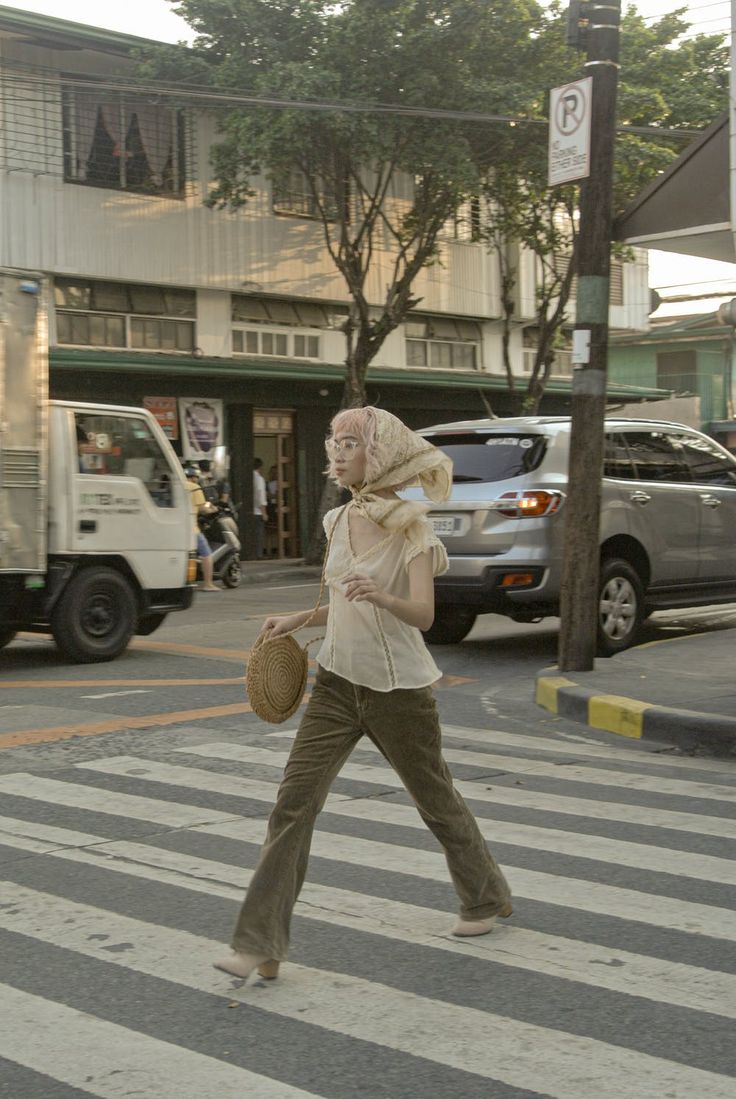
164, 409
202, 426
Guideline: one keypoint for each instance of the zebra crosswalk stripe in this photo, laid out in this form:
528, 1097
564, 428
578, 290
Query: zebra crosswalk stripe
640, 855
514, 765
578, 806
103, 1058
652, 784
567, 891
517, 1053
96, 1056
656, 979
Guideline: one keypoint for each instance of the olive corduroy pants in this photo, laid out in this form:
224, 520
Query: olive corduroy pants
403, 724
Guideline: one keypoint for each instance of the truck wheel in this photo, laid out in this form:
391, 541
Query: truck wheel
95, 617
451, 624
149, 623
6, 636
233, 573
620, 606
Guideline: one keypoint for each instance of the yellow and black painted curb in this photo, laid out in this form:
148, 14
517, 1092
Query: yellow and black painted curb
630, 718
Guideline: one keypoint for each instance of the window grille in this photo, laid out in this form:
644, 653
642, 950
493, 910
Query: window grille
122, 142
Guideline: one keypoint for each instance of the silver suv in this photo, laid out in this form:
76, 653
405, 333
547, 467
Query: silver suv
667, 533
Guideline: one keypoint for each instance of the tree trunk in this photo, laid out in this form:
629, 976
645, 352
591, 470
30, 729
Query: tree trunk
353, 396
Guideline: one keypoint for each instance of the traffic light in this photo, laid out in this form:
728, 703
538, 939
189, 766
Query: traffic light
577, 24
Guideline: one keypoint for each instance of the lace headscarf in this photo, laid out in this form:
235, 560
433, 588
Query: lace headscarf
396, 458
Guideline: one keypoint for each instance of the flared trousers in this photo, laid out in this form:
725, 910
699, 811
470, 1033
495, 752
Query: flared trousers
404, 726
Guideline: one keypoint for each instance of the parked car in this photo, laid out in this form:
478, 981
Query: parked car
667, 533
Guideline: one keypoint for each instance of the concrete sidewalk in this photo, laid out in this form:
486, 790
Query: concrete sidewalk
682, 691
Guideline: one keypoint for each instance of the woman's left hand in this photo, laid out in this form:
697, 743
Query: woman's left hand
362, 589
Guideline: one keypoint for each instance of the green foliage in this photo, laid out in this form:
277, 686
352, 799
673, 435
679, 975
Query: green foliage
383, 183
664, 81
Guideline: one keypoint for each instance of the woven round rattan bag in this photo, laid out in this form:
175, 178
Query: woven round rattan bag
276, 677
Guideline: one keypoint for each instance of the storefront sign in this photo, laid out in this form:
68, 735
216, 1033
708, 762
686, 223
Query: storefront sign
164, 409
202, 427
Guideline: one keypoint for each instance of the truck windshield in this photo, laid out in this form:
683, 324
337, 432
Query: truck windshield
491, 456
123, 446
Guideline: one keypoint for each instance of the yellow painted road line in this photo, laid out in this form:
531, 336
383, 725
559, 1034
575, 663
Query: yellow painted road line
45, 684
26, 737
52, 734
176, 649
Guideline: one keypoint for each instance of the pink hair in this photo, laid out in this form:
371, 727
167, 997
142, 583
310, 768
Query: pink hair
362, 423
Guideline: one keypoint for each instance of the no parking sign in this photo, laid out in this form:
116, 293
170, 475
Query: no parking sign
569, 131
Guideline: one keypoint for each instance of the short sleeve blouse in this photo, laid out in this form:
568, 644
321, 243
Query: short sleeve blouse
365, 644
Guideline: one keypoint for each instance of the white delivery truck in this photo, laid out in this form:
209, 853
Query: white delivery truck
96, 534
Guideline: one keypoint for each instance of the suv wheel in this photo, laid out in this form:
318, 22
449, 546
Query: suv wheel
451, 624
620, 606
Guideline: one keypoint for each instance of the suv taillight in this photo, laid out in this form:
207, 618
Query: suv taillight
528, 505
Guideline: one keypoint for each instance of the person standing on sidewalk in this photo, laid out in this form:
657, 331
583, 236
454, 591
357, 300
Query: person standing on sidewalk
260, 507
374, 679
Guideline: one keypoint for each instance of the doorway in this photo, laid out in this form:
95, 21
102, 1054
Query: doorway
273, 442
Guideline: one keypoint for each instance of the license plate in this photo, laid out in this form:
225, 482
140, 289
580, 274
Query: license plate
444, 524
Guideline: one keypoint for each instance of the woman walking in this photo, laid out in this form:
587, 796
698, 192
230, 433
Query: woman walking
374, 679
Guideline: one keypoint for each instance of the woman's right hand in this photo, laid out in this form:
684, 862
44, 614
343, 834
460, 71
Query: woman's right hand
278, 624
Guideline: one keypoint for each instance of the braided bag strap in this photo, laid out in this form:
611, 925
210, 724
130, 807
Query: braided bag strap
305, 623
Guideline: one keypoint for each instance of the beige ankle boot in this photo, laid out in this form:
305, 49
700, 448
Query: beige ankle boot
480, 927
242, 965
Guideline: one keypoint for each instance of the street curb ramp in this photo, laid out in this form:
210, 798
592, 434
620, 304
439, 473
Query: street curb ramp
631, 718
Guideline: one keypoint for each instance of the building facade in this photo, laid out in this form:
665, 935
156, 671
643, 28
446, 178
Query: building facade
159, 300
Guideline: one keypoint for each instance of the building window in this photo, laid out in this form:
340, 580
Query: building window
616, 292
561, 261
562, 365
442, 343
265, 326
464, 226
123, 143
292, 195
678, 371
283, 345
118, 314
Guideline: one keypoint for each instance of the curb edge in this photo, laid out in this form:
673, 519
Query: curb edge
629, 717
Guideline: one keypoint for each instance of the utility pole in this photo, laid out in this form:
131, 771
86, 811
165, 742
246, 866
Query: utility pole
579, 601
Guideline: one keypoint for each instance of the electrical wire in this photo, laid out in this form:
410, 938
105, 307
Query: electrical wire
688, 9
192, 93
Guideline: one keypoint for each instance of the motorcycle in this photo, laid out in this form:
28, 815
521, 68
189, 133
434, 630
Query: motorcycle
220, 528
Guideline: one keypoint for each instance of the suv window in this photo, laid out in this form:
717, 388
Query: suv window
617, 459
709, 465
490, 456
657, 456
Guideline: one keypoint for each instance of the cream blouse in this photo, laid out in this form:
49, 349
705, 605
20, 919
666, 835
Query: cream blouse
365, 644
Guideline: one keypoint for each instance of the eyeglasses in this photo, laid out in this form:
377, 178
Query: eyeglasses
337, 446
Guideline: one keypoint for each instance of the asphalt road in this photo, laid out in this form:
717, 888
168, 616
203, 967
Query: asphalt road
133, 799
